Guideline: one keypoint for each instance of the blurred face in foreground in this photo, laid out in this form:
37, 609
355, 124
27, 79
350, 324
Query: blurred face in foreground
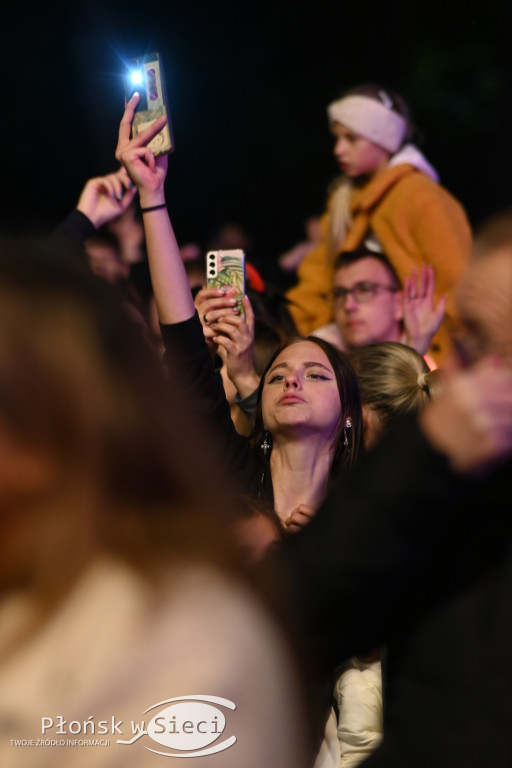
485, 305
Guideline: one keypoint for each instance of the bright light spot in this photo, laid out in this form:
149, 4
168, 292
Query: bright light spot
136, 77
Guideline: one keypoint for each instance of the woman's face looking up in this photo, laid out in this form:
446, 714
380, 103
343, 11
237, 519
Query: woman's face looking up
300, 393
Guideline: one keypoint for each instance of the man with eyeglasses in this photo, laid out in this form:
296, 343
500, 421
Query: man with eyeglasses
369, 305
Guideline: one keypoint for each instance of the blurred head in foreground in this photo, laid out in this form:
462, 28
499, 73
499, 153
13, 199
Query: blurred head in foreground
484, 294
95, 454
120, 580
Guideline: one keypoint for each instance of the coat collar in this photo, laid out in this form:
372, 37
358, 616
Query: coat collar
367, 197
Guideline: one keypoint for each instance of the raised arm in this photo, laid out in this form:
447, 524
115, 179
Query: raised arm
170, 283
233, 335
102, 199
422, 315
181, 330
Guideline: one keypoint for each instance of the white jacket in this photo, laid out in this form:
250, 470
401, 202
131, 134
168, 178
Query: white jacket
358, 691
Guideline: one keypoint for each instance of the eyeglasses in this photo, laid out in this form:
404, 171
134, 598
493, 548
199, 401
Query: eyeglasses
362, 292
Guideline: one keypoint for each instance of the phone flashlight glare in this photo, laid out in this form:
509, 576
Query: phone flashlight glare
136, 77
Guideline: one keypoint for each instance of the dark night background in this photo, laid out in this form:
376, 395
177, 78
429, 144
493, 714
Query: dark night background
248, 85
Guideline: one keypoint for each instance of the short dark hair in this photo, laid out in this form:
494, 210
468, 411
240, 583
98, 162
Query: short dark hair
345, 258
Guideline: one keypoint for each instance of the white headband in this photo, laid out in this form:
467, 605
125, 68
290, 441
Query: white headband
370, 119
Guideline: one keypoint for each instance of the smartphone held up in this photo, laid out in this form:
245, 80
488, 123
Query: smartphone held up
145, 75
226, 269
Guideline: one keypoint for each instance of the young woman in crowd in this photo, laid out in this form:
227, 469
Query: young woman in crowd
310, 424
388, 199
309, 420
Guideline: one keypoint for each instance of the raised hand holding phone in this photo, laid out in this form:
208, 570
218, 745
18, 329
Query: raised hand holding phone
226, 269
234, 336
145, 75
171, 288
145, 170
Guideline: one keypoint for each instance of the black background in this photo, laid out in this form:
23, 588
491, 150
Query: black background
248, 86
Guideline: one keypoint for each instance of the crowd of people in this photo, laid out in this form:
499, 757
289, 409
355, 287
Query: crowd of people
297, 504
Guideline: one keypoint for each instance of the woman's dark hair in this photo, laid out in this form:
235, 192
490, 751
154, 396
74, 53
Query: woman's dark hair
345, 456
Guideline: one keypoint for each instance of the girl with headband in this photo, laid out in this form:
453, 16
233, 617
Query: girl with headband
388, 199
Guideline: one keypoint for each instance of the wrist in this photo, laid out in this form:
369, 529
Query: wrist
419, 343
151, 208
246, 384
95, 220
149, 199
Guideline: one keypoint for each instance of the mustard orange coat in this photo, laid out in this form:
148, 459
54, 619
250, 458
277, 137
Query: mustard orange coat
415, 221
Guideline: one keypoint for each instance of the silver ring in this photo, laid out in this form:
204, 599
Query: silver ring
205, 319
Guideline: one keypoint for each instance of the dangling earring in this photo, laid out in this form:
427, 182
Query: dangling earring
265, 446
348, 425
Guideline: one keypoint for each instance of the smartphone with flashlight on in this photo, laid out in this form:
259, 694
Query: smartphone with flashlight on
145, 75
225, 269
